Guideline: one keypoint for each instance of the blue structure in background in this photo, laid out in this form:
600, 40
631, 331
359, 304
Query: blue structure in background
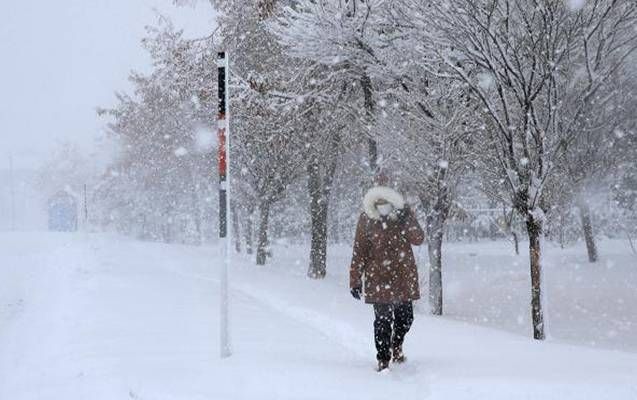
63, 212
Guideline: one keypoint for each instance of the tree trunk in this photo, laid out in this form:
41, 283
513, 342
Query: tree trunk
562, 239
516, 243
435, 232
318, 216
320, 187
262, 240
435, 227
166, 232
587, 227
373, 155
144, 233
434, 245
247, 233
199, 239
318, 252
534, 229
630, 241
235, 229
336, 231
366, 84
510, 228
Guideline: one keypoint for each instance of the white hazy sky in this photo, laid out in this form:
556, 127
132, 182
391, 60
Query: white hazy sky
59, 60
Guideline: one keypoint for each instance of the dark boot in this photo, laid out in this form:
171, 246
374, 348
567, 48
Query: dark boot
398, 356
382, 365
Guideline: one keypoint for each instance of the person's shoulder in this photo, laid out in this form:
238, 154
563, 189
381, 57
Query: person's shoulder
363, 218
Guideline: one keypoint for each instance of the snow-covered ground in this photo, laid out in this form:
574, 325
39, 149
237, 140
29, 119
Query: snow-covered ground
103, 317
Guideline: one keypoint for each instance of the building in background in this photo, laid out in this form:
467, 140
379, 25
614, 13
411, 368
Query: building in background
63, 212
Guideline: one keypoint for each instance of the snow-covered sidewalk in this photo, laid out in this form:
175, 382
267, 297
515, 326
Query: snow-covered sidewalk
100, 317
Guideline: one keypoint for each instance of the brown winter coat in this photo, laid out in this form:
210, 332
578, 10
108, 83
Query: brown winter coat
382, 251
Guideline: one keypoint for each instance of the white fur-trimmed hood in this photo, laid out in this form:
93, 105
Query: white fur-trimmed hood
381, 192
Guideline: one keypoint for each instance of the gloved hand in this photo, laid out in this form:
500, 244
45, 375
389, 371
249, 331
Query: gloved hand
356, 292
403, 214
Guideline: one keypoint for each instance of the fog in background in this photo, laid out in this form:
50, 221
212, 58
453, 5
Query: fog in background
61, 60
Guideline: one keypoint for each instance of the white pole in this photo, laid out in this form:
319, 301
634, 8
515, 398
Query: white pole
228, 200
224, 191
224, 333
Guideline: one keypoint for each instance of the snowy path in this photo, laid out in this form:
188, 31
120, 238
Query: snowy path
105, 318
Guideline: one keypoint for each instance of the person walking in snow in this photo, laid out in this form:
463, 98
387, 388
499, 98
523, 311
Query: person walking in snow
384, 261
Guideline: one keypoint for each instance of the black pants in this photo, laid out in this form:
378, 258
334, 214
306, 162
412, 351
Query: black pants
401, 315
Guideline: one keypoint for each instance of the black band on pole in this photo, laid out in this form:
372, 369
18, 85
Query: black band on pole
222, 156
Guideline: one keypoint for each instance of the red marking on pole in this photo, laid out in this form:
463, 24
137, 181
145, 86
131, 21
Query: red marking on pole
221, 138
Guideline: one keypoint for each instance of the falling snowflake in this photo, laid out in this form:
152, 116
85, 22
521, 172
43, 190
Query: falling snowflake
180, 152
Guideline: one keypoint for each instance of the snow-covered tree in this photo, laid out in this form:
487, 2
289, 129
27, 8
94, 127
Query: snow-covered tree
522, 61
159, 186
342, 37
266, 154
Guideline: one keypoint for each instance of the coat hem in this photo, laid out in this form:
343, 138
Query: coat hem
397, 301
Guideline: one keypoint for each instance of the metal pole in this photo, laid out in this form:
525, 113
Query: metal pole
223, 136
85, 209
12, 186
